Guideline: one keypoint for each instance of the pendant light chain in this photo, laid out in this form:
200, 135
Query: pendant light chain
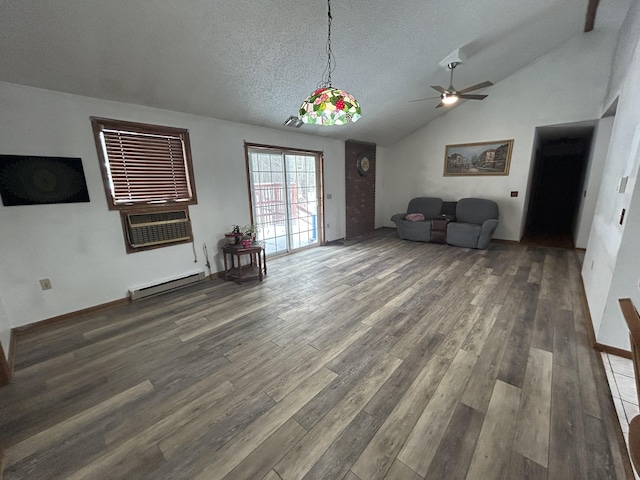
330, 61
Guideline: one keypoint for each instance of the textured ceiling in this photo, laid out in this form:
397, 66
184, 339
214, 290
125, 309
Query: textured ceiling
255, 61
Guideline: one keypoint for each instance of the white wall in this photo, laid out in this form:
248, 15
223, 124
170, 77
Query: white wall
381, 162
565, 86
80, 246
611, 269
624, 53
593, 177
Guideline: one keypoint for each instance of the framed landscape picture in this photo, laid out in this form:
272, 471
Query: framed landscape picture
483, 158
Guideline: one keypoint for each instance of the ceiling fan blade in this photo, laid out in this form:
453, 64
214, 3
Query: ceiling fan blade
476, 87
473, 97
439, 89
423, 99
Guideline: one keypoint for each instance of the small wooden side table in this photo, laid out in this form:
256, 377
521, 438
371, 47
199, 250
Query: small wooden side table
257, 266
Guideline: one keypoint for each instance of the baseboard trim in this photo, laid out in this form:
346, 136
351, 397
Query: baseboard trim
599, 347
49, 322
505, 242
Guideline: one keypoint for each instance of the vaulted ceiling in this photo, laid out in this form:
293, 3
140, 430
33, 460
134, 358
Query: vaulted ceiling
255, 61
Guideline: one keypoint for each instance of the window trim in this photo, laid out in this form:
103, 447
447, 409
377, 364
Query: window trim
98, 124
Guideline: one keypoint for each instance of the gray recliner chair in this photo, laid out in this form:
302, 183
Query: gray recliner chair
430, 207
476, 220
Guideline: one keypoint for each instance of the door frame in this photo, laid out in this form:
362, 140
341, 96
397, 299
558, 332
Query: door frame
583, 130
320, 187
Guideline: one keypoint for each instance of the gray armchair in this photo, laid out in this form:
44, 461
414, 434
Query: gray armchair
476, 220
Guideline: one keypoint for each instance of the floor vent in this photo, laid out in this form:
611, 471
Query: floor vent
158, 228
143, 292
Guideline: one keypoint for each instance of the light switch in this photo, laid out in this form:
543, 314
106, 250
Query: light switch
623, 184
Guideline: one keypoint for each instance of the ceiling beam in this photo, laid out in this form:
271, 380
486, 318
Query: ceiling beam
590, 21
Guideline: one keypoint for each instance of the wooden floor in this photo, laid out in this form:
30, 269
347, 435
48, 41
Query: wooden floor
368, 360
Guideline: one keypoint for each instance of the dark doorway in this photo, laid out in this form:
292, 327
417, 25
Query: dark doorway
558, 176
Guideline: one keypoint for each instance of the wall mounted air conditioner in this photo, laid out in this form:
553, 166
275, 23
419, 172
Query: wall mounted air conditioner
157, 228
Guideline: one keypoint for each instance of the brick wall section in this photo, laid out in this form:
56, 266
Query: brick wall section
360, 191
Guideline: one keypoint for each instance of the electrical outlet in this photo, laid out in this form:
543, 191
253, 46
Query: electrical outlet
329, 196
328, 225
45, 283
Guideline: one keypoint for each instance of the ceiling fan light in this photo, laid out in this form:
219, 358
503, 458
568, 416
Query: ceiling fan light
449, 99
329, 106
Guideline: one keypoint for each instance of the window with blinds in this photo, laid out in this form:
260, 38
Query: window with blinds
144, 165
147, 172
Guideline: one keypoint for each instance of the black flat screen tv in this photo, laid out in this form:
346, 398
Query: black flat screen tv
28, 180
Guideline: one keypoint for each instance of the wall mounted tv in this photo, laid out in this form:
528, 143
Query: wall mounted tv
26, 180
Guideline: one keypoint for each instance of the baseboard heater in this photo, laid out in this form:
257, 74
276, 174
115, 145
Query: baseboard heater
157, 288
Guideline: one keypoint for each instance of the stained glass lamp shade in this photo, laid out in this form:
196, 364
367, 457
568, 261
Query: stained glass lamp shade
330, 106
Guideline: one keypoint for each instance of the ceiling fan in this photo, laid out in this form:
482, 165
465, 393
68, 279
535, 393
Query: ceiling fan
450, 95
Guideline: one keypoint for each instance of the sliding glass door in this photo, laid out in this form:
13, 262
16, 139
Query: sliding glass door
285, 197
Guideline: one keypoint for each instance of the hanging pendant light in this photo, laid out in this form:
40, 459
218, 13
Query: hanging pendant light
328, 105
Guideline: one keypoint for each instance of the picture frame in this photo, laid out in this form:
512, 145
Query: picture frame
480, 158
